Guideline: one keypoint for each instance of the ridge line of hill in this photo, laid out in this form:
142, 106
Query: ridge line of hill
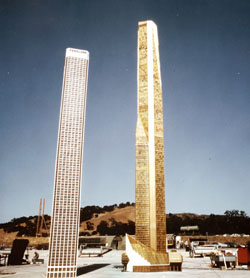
120, 219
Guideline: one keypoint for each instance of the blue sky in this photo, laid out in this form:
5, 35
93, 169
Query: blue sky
204, 53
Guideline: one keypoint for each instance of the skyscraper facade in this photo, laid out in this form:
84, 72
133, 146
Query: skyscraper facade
68, 171
150, 181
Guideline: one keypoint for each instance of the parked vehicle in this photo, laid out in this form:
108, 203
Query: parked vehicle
233, 245
198, 248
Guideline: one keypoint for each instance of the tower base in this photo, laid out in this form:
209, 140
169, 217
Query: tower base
145, 259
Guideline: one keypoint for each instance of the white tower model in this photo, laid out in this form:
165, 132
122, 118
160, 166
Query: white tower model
67, 188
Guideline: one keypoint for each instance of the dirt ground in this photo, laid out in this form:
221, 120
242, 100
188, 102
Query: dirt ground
6, 239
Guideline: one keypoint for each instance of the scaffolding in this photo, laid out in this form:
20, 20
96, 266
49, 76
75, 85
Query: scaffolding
41, 223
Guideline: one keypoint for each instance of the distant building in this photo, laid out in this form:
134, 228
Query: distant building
189, 230
67, 187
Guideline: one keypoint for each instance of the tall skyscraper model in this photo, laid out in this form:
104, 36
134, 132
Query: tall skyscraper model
147, 252
150, 184
67, 187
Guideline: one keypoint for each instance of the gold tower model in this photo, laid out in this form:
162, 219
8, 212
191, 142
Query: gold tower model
147, 251
67, 188
150, 183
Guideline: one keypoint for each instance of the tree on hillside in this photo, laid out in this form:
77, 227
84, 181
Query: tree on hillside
102, 228
235, 213
174, 223
116, 228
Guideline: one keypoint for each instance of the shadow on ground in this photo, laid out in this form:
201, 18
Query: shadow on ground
89, 268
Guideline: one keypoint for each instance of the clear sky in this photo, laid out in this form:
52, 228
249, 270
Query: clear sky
205, 55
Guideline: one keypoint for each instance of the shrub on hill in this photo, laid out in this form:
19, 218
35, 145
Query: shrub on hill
116, 228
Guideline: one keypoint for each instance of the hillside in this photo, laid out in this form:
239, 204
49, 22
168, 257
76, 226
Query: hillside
120, 219
91, 216
123, 215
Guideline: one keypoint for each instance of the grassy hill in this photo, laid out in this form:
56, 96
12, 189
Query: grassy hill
119, 215
122, 216
120, 219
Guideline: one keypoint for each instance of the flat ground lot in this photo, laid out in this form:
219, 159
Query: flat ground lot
110, 266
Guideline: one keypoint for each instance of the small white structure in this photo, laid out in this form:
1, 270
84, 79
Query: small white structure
134, 257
